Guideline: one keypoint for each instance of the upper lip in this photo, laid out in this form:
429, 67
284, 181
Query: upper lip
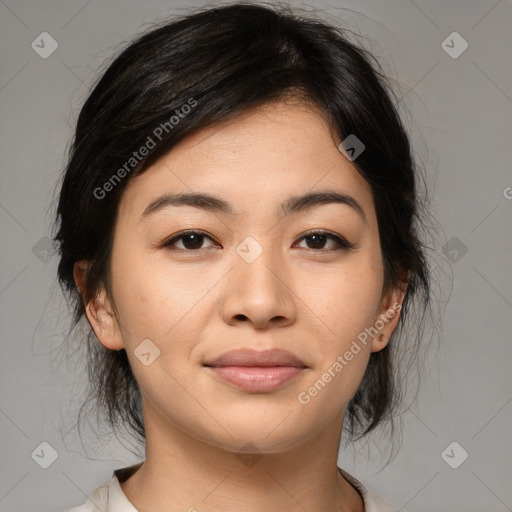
251, 357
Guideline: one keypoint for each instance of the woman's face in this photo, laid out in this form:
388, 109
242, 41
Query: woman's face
253, 278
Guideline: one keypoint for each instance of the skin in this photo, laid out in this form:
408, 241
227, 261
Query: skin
198, 305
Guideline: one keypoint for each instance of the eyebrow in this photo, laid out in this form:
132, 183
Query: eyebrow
294, 204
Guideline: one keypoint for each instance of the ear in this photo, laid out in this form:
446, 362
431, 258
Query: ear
388, 317
99, 311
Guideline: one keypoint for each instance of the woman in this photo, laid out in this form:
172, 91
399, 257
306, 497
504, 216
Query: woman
237, 223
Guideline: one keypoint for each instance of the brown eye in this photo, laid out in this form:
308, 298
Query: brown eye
191, 240
316, 241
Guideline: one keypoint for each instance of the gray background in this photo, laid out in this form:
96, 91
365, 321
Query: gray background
460, 121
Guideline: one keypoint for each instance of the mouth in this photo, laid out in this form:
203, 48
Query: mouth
256, 371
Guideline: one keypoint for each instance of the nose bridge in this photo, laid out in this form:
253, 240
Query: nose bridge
258, 262
258, 287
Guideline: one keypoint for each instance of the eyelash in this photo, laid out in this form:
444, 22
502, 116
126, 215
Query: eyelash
342, 242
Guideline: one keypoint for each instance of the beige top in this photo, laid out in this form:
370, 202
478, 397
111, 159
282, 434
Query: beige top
111, 498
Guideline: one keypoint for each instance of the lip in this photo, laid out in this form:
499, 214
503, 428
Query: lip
261, 358
256, 370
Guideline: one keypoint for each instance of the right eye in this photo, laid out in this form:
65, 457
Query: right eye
191, 240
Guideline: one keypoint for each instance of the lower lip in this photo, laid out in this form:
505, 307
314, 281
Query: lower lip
257, 378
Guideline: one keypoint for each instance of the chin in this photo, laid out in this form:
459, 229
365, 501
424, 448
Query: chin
268, 434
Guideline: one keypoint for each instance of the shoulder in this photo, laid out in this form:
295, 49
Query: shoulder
372, 502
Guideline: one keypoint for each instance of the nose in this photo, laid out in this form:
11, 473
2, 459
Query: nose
259, 292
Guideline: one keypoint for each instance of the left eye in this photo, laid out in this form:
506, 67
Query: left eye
193, 240
319, 237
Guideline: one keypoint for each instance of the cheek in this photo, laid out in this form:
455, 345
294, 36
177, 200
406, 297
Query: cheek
342, 302
145, 298
345, 305
159, 301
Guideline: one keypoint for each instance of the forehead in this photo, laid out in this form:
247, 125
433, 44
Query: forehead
256, 159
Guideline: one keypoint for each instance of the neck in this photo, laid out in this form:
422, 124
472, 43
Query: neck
183, 473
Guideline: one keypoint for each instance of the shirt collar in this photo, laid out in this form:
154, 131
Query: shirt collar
117, 500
